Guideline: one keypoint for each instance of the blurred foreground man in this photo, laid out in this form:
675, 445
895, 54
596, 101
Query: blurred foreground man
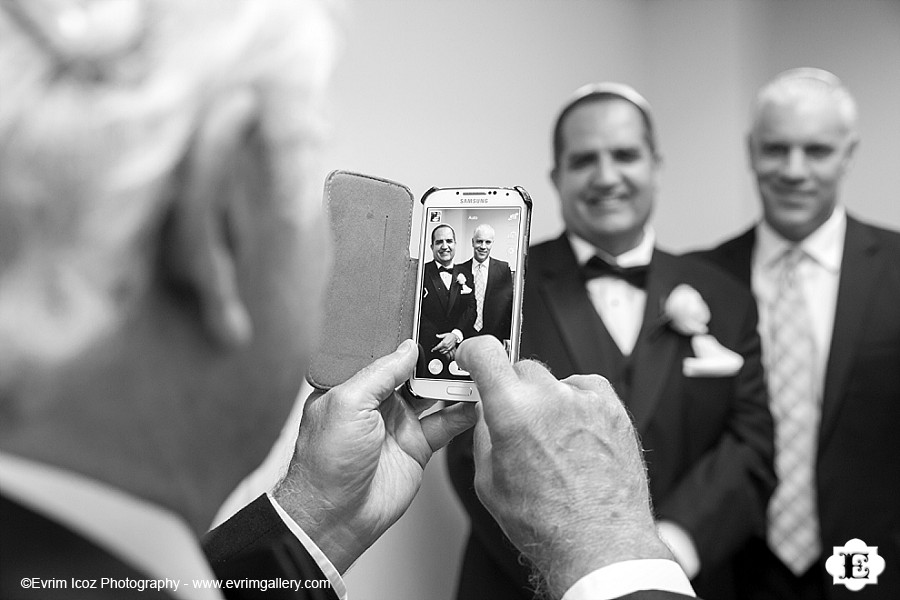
828, 290
157, 287
676, 338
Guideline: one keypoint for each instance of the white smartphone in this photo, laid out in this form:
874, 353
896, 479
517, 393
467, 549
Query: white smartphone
473, 244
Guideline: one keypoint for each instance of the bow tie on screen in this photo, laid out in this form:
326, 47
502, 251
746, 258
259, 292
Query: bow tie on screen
597, 267
445, 269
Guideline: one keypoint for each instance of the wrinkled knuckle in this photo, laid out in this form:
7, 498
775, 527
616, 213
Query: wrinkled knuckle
528, 369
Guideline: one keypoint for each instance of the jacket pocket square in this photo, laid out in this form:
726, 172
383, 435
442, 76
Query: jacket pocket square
711, 359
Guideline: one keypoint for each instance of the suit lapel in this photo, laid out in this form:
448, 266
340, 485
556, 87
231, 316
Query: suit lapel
493, 275
455, 288
656, 349
736, 256
861, 266
576, 319
438, 285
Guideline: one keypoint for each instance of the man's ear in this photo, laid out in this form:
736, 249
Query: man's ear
852, 145
199, 253
748, 141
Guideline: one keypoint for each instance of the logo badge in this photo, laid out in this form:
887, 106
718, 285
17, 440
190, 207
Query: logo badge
855, 565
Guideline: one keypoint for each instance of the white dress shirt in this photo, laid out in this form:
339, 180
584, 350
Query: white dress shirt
475, 266
619, 304
151, 538
818, 275
629, 576
447, 278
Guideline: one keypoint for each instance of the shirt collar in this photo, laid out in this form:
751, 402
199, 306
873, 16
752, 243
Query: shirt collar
638, 256
149, 537
825, 245
486, 263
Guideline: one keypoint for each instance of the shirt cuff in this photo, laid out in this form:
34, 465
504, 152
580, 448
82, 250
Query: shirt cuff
459, 336
629, 576
681, 545
328, 569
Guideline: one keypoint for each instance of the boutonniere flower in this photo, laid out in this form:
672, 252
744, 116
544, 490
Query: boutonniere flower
686, 310
461, 280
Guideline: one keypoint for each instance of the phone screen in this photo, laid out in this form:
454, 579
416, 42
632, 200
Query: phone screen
471, 275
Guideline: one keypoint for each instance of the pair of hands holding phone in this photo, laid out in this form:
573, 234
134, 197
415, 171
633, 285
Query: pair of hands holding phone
568, 446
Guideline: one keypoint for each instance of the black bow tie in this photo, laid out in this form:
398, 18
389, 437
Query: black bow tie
597, 267
442, 269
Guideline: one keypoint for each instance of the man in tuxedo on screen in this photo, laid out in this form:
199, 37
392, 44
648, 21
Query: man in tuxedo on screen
493, 287
676, 337
828, 290
448, 304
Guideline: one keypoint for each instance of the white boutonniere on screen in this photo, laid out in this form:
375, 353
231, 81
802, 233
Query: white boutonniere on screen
461, 280
689, 315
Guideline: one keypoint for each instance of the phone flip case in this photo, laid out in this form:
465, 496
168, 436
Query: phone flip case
368, 305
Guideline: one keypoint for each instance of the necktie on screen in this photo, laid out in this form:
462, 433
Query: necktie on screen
791, 358
480, 284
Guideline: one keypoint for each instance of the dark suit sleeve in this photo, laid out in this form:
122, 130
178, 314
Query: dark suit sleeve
721, 501
506, 285
256, 544
653, 595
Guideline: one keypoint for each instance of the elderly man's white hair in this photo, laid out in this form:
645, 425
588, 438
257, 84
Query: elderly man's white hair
804, 83
100, 102
484, 228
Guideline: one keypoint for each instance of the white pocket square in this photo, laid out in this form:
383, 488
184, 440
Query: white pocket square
711, 359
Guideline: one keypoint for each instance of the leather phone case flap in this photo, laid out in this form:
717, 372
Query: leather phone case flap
370, 296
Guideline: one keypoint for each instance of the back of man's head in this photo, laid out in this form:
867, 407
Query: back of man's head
154, 191
96, 139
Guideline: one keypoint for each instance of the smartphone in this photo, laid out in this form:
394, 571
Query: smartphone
473, 244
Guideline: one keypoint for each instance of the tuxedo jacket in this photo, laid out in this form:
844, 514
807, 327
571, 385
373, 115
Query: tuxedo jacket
498, 297
858, 457
708, 441
254, 544
443, 310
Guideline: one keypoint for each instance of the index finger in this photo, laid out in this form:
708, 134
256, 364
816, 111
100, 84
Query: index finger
488, 364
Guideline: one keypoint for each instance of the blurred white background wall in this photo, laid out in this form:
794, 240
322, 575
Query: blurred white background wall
464, 92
